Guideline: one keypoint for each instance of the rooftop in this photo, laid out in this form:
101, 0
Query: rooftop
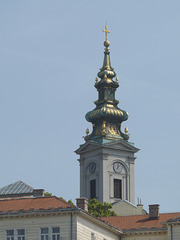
19, 188
139, 222
32, 204
16, 188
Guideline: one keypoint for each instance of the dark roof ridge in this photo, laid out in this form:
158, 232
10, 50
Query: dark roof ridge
24, 198
169, 213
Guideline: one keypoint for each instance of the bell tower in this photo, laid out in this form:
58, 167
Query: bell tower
107, 157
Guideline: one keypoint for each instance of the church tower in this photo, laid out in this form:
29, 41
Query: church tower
107, 158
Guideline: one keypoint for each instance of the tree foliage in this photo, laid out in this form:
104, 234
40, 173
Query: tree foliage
47, 194
99, 209
70, 201
62, 199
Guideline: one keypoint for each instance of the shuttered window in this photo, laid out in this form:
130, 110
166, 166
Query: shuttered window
117, 188
93, 189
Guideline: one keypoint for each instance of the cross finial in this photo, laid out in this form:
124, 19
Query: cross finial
106, 31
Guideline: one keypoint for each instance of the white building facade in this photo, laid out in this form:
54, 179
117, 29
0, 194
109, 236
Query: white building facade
50, 218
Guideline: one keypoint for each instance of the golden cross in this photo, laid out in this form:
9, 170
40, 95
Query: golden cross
106, 31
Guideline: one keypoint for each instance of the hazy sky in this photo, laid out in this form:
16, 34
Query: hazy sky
50, 53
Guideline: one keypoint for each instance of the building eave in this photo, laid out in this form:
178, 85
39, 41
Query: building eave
145, 231
128, 147
32, 213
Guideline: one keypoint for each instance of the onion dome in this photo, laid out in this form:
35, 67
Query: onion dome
106, 118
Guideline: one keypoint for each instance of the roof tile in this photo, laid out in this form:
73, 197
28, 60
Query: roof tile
33, 204
139, 221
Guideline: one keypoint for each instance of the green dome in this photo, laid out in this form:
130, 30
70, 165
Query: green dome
106, 117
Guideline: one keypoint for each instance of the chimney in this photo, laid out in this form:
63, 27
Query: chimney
82, 203
38, 192
154, 211
140, 205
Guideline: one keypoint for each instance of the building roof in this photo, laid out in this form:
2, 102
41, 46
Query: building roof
16, 188
32, 204
140, 222
19, 189
39, 205
175, 220
125, 201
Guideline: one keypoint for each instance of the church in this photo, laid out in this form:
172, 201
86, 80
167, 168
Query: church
107, 160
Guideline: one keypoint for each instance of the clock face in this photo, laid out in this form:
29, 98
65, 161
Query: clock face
92, 167
117, 167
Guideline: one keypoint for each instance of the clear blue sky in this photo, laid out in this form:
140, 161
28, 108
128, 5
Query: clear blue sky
50, 53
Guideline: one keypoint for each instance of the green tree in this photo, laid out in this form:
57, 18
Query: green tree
47, 194
99, 209
70, 201
62, 199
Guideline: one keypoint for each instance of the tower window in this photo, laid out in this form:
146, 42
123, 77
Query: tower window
117, 188
93, 189
92, 236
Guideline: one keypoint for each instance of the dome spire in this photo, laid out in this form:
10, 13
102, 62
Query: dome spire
106, 118
106, 71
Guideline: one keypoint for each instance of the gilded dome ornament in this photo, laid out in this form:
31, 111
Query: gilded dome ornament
87, 131
126, 135
105, 77
104, 129
126, 130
